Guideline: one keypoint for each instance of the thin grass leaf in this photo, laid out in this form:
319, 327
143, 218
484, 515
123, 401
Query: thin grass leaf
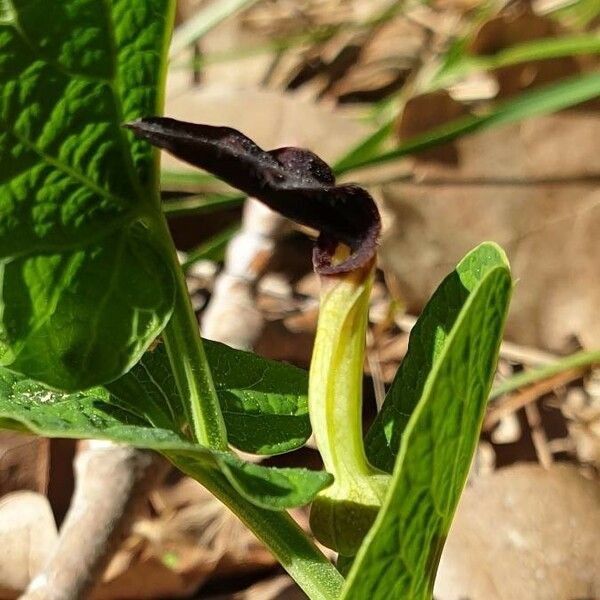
579, 13
574, 361
204, 21
457, 66
317, 35
186, 179
366, 148
541, 49
548, 99
201, 205
212, 249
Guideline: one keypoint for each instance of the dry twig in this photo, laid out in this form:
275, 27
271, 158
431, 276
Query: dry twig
510, 404
112, 484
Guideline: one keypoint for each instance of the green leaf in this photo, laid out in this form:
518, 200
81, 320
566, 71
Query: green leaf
90, 414
264, 403
29, 406
457, 341
269, 487
540, 49
540, 101
202, 205
427, 344
84, 287
178, 180
576, 14
212, 249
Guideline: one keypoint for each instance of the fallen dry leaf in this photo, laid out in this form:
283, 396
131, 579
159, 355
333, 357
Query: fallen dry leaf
524, 532
194, 538
426, 112
516, 27
533, 188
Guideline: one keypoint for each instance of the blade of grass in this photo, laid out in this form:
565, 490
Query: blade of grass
211, 249
204, 21
574, 361
317, 34
368, 147
542, 49
458, 65
201, 205
578, 13
182, 179
541, 101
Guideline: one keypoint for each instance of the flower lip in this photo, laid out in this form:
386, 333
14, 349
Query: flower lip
292, 181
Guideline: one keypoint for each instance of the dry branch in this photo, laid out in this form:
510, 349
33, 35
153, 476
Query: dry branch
112, 482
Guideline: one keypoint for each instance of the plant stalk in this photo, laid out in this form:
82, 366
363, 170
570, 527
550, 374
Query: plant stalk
342, 514
188, 361
306, 564
298, 555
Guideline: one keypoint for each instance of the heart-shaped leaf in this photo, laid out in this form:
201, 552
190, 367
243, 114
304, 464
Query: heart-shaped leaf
29, 406
264, 403
84, 286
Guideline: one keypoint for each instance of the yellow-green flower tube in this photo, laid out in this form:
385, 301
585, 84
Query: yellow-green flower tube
343, 513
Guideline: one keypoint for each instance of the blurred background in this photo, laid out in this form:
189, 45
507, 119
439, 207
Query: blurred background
467, 121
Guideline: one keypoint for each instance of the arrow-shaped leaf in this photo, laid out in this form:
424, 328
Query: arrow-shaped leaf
433, 424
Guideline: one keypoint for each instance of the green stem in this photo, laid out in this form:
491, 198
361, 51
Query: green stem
201, 204
188, 361
305, 563
277, 530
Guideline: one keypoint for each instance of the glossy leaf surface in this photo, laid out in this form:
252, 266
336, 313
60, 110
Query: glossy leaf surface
264, 403
28, 406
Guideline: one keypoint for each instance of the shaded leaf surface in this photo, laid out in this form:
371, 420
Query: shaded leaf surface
28, 406
264, 402
84, 287
400, 554
267, 487
426, 345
